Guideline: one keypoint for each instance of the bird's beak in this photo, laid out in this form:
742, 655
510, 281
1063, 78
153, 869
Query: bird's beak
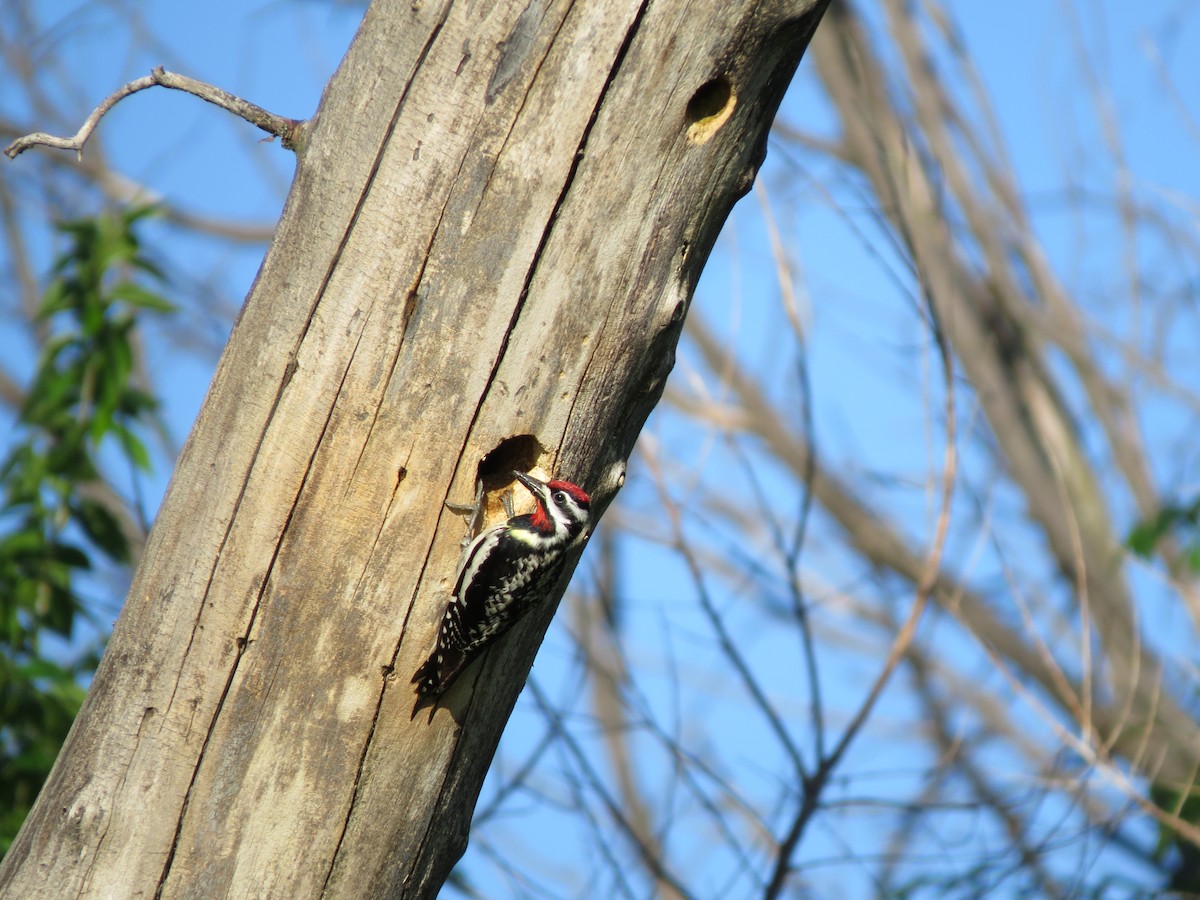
537, 488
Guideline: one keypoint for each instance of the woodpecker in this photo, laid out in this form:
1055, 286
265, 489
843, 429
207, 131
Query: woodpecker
507, 571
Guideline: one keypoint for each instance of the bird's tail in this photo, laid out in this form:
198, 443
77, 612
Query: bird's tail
434, 677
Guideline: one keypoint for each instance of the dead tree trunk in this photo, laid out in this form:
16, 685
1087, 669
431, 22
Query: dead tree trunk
499, 215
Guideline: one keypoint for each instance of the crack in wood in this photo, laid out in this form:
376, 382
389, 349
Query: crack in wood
447, 786
244, 641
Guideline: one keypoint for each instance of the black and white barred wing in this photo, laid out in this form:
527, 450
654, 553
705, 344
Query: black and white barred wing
500, 580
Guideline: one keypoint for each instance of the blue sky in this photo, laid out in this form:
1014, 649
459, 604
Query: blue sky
279, 55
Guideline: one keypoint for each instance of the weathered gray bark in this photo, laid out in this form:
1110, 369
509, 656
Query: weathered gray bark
499, 214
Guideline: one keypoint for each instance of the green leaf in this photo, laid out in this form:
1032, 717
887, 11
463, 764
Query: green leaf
22, 543
55, 299
135, 214
1143, 539
52, 394
102, 528
144, 265
133, 447
1146, 534
41, 669
70, 555
1185, 518
81, 393
136, 295
70, 459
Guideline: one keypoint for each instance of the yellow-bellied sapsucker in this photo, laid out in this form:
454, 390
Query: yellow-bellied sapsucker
508, 570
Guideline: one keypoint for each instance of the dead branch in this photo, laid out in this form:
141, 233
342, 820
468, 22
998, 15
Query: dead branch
287, 130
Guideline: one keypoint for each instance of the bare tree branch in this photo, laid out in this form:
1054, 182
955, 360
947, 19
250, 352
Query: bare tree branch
287, 130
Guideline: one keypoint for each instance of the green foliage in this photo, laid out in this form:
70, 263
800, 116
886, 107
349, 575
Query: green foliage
1183, 521
1181, 518
1185, 875
52, 526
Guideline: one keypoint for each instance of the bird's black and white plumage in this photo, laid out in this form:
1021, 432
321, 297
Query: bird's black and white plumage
507, 571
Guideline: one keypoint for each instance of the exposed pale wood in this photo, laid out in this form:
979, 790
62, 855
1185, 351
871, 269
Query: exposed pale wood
499, 215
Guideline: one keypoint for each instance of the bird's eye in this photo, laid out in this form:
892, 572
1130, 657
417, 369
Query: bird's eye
560, 496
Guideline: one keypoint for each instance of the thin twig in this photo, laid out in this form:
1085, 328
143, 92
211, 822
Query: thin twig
791, 556
652, 861
597, 639
731, 648
278, 126
814, 785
